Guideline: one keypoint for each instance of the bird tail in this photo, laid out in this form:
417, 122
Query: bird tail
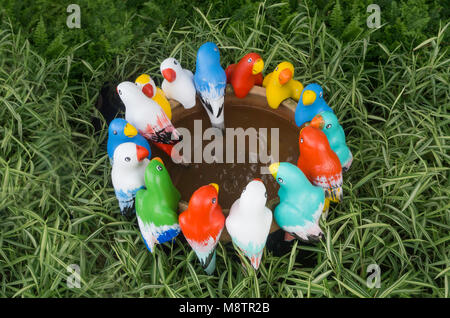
210, 263
334, 194
256, 260
348, 163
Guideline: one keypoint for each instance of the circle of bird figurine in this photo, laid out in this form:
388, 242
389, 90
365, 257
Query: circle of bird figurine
143, 185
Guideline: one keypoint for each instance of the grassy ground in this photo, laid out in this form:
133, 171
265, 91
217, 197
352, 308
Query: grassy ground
57, 205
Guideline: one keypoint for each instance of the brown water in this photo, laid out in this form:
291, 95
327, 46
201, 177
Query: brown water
233, 177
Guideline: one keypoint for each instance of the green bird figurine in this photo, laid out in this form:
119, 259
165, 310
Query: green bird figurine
157, 205
329, 124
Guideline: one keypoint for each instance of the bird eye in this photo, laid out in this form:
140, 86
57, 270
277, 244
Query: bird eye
280, 180
265, 194
175, 62
120, 92
250, 60
127, 159
328, 126
214, 200
276, 69
301, 140
159, 168
115, 132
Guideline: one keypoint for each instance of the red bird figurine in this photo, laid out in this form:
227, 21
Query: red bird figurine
245, 74
319, 163
202, 224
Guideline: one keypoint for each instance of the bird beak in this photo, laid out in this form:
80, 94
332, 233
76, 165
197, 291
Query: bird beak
169, 74
142, 153
317, 122
308, 97
215, 185
130, 131
148, 90
258, 66
273, 168
143, 79
159, 159
285, 76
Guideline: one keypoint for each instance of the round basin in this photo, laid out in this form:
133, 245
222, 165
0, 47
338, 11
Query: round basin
249, 112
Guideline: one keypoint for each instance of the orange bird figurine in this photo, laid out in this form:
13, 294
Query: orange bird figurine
319, 163
245, 74
202, 224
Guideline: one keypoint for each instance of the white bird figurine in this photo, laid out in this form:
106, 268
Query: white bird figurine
127, 174
148, 117
178, 83
249, 221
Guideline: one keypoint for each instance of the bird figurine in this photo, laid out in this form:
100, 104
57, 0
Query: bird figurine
319, 163
329, 124
148, 86
280, 85
202, 224
157, 205
148, 117
310, 104
301, 203
245, 74
127, 174
210, 82
178, 83
121, 131
249, 221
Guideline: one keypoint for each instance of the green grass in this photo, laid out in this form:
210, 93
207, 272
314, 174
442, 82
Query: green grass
57, 204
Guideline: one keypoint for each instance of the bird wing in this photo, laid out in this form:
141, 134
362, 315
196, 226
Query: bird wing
229, 72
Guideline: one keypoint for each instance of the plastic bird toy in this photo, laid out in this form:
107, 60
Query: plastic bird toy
202, 224
280, 85
178, 83
148, 86
319, 163
121, 131
127, 174
210, 82
329, 124
156, 206
249, 221
148, 117
245, 74
301, 203
310, 104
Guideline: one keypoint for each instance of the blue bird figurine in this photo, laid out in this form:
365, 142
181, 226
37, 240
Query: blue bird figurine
311, 103
329, 124
120, 131
301, 203
210, 81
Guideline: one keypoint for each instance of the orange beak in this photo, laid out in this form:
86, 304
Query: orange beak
169, 74
285, 76
317, 122
148, 90
142, 153
159, 159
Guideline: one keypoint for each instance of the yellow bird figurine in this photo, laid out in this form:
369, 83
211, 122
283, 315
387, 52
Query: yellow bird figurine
146, 83
280, 85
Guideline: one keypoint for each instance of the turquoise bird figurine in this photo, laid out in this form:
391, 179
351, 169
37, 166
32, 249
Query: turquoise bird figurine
301, 203
311, 103
329, 124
